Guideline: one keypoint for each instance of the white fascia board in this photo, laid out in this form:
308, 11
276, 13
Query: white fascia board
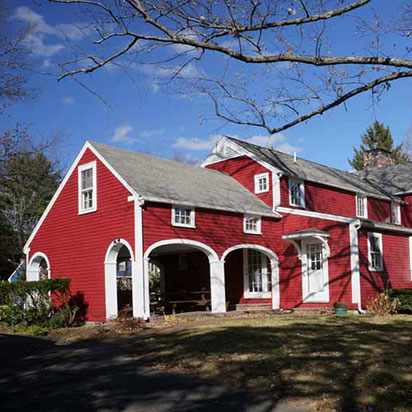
86, 146
242, 152
304, 235
317, 215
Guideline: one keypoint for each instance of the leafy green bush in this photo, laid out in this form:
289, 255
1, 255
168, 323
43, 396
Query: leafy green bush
405, 298
45, 303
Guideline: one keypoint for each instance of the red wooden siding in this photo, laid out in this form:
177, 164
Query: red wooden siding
244, 169
221, 230
396, 269
76, 245
406, 211
379, 209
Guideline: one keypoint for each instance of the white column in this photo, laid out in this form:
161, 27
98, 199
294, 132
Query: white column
354, 263
111, 290
275, 284
217, 286
138, 275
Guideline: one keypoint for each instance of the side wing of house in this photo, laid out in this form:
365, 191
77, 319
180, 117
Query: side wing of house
91, 209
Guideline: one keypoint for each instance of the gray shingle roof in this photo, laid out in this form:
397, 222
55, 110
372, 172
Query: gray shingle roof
396, 178
161, 180
314, 172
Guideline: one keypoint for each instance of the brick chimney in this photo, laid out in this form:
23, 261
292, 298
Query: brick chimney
377, 158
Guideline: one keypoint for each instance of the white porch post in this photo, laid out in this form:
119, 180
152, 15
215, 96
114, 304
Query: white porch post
138, 278
217, 286
111, 290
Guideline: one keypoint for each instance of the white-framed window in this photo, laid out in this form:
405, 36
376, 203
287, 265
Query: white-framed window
296, 193
361, 206
262, 183
375, 251
87, 188
396, 213
252, 224
183, 216
257, 274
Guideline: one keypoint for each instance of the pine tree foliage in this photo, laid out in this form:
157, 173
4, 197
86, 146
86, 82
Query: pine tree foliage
27, 183
378, 136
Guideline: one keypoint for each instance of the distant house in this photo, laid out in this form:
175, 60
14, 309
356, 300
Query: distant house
251, 228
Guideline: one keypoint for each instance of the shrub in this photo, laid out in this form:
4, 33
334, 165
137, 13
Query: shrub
46, 303
405, 298
383, 305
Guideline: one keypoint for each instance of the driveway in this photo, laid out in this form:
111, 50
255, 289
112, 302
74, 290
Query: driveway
39, 374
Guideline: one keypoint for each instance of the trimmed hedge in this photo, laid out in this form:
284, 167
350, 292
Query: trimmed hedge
46, 303
405, 298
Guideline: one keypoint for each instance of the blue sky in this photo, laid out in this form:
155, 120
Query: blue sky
141, 116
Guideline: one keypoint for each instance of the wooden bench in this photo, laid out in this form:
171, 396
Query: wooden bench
196, 298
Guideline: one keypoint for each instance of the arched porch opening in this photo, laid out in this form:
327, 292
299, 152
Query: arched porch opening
119, 279
39, 267
251, 277
183, 275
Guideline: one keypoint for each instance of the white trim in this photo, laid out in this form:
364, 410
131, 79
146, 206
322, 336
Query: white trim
316, 215
276, 190
33, 273
410, 256
365, 205
292, 238
242, 152
354, 263
86, 146
274, 264
192, 223
210, 253
81, 168
141, 293
306, 296
110, 278
379, 236
257, 178
258, 225
301, 184
396, 213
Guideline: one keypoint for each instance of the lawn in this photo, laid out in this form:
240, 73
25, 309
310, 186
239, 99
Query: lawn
324, 363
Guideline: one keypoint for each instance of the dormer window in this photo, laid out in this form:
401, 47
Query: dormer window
296, 193
252, 224
183, 216
361, 206
262, 183
396, 213
87, 188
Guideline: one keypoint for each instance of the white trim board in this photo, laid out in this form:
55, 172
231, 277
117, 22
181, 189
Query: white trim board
317, 215
86, 146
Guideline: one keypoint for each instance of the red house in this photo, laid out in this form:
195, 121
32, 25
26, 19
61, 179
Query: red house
252, 227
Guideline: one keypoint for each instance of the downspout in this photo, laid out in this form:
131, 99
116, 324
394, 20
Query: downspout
355, 267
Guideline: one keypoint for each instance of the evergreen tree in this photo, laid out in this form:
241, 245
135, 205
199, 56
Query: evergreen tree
27, 183
378, 136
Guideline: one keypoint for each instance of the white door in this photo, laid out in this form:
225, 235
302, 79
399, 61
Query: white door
315, 286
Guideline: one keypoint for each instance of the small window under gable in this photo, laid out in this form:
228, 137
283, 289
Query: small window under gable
262, 183
396, 213
87, 188
252, 224
361, 206
375, 252
183, 216
296, 193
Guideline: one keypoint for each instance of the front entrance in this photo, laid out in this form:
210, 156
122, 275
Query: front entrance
315, 272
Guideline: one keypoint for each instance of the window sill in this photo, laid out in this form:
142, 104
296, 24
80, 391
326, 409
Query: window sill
257, 295
186, 226
251, 233
375, 270
87, 211
261, 191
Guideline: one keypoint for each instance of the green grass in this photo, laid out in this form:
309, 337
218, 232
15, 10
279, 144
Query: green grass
325, 363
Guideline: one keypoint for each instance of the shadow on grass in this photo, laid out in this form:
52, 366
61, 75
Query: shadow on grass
37, 374
324, 363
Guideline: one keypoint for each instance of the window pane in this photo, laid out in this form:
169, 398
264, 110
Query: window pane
87, 179
258, 271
